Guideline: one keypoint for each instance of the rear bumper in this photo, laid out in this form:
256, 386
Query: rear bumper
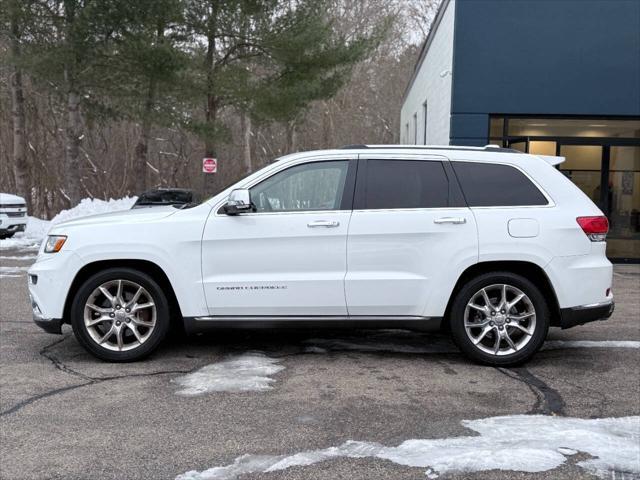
571, 317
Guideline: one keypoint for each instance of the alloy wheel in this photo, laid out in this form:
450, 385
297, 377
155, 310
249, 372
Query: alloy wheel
500, 319
120, 315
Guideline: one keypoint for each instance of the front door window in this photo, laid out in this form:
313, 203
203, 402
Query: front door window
308, 187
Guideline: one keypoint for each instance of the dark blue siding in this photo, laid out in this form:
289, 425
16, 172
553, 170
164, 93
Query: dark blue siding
559, 57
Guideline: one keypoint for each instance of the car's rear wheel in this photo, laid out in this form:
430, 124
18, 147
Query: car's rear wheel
120, 315
499, 319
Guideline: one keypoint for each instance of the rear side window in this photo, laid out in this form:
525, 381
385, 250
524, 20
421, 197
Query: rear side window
493, 185
405, 184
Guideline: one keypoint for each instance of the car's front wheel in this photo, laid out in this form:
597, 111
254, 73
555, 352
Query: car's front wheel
120, 315
499, 319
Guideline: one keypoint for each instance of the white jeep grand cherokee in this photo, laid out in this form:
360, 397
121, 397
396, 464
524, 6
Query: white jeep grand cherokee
494, 244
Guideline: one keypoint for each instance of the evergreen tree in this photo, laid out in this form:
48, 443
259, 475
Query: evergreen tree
149, 68
266, 57
70, 51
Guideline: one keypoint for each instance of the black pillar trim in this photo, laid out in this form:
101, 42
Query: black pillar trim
604, 180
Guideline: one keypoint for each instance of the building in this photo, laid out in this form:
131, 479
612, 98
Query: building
555, 77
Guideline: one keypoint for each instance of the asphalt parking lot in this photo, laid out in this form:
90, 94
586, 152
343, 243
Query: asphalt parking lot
64, 414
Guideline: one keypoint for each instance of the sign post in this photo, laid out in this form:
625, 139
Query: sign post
209, 165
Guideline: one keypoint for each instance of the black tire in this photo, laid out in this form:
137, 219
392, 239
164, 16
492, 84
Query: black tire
157, 334
475, 353
6, 235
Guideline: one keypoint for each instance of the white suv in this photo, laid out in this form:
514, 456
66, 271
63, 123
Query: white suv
13, 215
495, 245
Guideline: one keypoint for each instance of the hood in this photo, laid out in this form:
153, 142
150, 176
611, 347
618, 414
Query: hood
137, 215
8, 198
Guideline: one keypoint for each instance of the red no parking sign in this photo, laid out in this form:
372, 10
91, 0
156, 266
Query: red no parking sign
209, 165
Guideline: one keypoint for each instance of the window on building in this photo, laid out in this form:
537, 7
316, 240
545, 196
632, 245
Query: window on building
415, 128
405, 184
406, 134
494, 185
424, 116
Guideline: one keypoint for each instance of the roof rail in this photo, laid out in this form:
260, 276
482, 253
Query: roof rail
486, 148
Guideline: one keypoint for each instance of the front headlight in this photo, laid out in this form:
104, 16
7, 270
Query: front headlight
54, 243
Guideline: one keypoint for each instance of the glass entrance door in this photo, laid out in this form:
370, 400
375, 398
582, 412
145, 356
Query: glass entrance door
623, 179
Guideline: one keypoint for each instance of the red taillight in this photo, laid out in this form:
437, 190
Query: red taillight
595, 228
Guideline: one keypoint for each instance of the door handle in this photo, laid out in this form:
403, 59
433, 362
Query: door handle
455, 220
323, 223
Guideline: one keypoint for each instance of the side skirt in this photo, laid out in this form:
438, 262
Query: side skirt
194, 325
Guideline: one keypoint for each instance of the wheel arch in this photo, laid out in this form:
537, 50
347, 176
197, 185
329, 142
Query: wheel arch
144, 266
530, 270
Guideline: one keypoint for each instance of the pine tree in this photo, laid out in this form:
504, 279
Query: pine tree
267, 58
148, 75
69, 52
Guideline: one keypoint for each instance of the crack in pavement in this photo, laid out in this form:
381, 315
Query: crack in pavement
89, 380
587, 392
548, 400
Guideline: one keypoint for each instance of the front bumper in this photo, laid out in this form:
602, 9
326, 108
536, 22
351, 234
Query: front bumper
50, 279
571, 317
13, 228
49, 325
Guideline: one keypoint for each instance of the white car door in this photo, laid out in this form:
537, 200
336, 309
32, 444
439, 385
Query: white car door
288, 257
410, 236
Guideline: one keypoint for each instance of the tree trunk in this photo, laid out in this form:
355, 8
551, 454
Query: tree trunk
292, 138
73, 128
20, 163
245, 126
211, 110
72, 151
139, 181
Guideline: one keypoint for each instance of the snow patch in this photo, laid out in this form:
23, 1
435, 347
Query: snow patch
241, 373
522, 443
37, 228
560, 344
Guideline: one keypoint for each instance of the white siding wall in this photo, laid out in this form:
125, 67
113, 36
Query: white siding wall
433, 85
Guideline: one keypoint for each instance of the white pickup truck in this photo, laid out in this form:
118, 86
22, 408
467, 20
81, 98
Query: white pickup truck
13, 215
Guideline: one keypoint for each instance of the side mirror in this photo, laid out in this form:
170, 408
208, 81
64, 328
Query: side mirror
239, 202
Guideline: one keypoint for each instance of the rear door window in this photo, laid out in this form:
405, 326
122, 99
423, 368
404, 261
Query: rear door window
393, 184
495, 185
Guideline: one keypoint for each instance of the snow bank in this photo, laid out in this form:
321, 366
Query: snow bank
37, 228
242, 373
520, 443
